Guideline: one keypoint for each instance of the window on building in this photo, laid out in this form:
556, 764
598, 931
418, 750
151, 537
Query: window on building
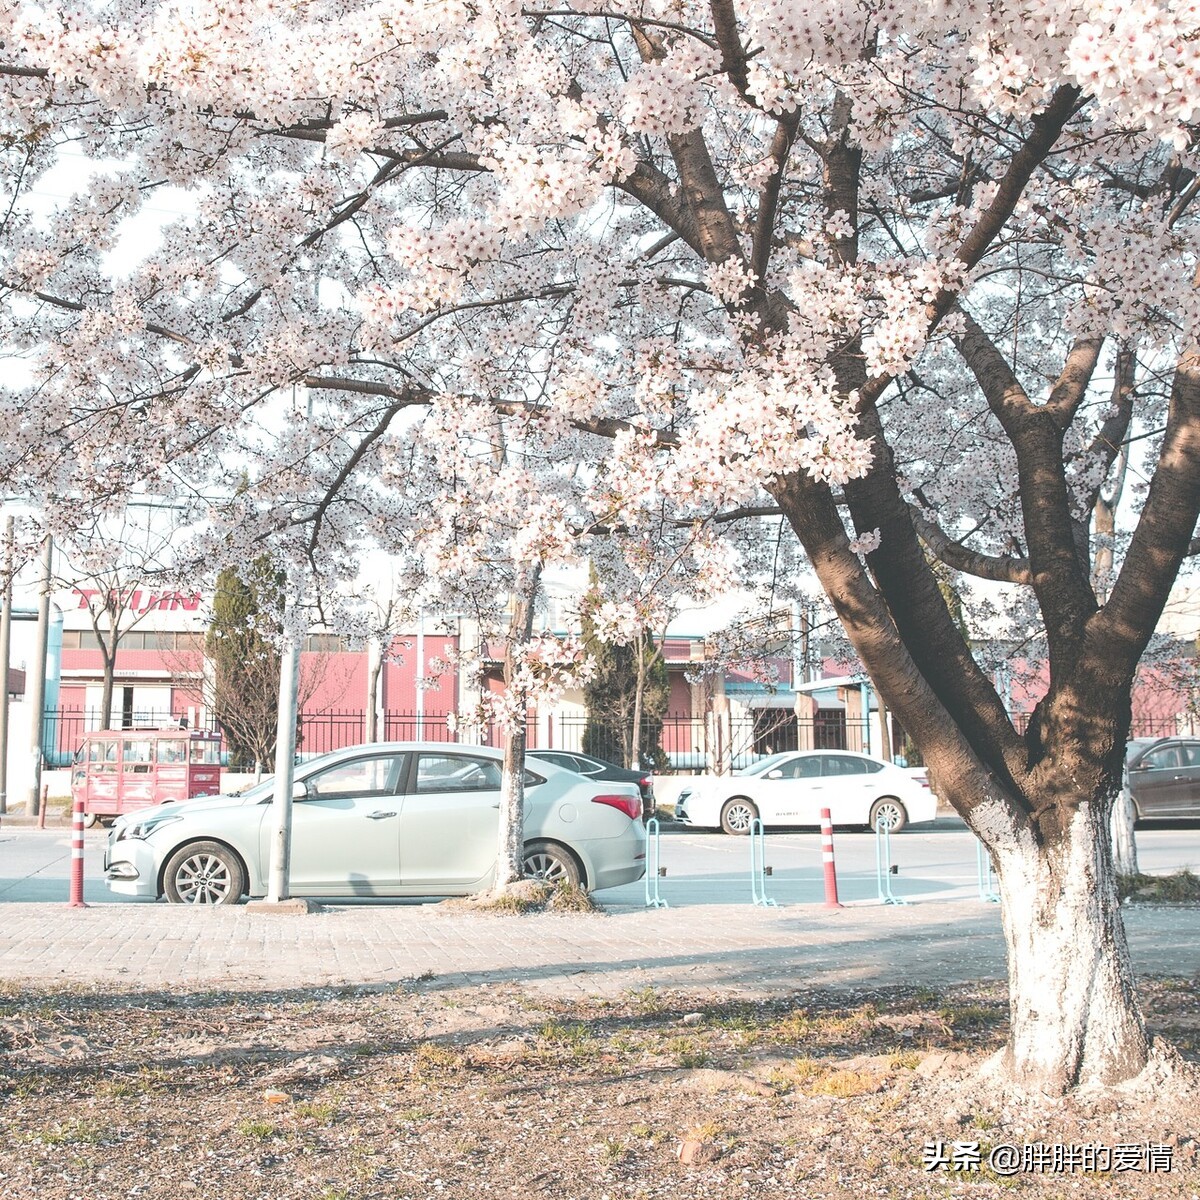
324, 643
80, 639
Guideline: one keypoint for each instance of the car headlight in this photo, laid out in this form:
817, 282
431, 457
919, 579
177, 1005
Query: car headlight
145, 827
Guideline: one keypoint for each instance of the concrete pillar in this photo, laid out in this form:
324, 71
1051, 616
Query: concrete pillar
806, 721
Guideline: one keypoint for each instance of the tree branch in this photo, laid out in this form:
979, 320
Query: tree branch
971, 562
1060, 575
1044, 131
649, 186
373, 435
1072, 383
605, 427
768, 198
899, 565
886, 651
733, 53
1165, 532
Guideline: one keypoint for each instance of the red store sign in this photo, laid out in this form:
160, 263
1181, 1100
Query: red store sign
137, 601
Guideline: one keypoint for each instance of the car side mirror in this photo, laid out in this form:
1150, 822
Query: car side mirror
300, 790
775, 774
1142, 766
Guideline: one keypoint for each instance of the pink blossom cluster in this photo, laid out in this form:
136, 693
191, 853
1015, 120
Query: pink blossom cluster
728, 281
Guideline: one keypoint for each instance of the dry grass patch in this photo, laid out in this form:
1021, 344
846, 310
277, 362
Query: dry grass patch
1181, 888
507, 1091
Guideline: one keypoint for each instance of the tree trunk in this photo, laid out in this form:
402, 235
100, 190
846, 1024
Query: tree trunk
635, 735
108, 659
510, 860
374, 671
510, 854
1074, 1015
1124, 847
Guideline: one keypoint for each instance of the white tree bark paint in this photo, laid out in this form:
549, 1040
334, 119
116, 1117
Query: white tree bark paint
1124, 846
511, 833
512, 811
1074, 1016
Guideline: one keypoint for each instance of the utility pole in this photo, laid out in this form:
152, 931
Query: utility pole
285, 743
37, 698
5, 657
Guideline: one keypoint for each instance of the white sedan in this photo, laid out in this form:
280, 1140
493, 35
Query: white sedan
392, 819
792, 788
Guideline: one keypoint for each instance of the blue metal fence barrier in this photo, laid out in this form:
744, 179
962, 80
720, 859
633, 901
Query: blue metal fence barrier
883, 862
654, 868
983, 869
758, 870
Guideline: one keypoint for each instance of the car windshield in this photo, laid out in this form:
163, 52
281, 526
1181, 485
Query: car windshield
260, 791
765, 764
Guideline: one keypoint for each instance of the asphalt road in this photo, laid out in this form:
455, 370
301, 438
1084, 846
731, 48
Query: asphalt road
934, 863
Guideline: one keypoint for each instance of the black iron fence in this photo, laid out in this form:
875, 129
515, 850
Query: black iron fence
714, 740
321, 732
679, 743
1157, 726
711, 741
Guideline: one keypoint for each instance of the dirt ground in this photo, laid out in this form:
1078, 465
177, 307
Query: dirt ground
420, 1091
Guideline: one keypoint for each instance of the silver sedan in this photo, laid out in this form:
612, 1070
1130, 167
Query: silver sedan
391, 819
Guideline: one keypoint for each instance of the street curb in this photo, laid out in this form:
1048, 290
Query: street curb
54, 815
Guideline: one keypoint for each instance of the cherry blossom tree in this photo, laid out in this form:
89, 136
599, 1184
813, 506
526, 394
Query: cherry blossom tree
917, 276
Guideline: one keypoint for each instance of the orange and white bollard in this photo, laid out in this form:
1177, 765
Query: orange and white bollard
831, 896
77, 855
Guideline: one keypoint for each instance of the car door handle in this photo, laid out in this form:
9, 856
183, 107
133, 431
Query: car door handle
379, 816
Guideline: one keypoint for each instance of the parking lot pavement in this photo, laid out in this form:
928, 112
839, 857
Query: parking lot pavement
747, 950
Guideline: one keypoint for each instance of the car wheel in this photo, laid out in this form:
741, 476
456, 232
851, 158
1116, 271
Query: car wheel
204, 873
891, 812
545, 860
738, 815
90, 820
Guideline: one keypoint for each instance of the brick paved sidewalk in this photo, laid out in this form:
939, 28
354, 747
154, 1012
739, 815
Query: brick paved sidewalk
701, 948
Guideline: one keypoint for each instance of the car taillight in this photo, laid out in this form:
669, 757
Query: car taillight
631, 806
646, 782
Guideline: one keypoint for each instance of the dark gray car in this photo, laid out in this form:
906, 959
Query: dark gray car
597, 768
1164, 777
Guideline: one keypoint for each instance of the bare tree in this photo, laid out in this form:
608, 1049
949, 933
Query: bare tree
122, 571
